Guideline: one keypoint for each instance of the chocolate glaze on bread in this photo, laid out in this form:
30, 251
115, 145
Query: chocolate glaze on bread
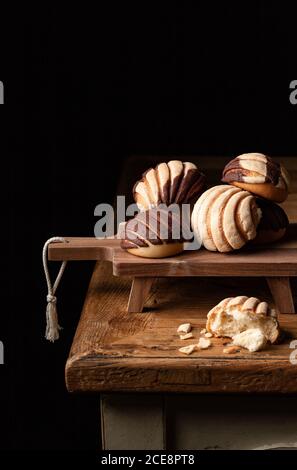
252, 168
155, 233
174, 182
258, 174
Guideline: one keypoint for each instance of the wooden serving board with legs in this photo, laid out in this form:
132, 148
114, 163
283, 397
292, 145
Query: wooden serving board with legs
276, 262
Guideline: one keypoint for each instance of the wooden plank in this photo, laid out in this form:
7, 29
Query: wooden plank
83, 249
274, 261
118, 351
132, 422
279, 259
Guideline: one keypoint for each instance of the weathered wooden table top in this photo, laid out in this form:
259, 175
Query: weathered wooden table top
114, 350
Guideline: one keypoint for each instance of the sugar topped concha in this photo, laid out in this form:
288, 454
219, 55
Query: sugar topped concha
175, 182
225, 218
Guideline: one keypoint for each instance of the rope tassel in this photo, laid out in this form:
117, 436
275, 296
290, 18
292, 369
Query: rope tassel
52, 323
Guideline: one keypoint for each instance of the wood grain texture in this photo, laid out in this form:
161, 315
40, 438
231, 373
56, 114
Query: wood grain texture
114, 350
281, 292
83, 249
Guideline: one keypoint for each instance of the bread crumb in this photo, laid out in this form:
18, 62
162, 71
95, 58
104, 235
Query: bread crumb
203, 343
188, 349
231, 350
252, 339
184, 328
208, 335
203, 331
187, 336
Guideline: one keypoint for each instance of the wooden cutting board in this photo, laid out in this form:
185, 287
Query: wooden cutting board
276, 262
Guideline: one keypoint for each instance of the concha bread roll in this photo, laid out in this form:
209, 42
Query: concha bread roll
258, 174
173, 182
225, 218
235, 315
155, 233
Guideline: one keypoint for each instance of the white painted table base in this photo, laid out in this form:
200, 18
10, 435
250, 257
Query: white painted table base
181, 422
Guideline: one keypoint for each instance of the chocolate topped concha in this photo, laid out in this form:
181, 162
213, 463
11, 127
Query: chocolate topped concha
273, 224
155, 233
173, 182
258, 174
225, 218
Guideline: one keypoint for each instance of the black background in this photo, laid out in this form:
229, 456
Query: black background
83, 90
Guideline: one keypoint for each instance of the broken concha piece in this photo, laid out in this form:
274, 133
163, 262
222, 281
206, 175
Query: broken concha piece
235, 315
273, 224
225, 218
252, 339
155, 233
173, 182
258, 174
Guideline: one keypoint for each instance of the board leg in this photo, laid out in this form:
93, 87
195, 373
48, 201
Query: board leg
140, 289
282, 294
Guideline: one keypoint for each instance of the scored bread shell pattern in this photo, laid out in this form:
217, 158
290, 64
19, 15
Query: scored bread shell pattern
256, 168
244, 303
154, 227
234, 315
173, 182
225, 218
